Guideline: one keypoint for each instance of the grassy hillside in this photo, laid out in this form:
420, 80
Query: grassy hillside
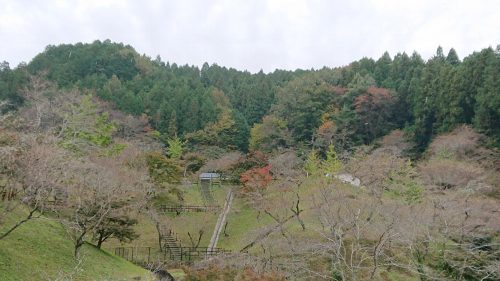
182, 224
41, 250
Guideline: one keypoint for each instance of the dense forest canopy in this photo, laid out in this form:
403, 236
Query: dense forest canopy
345, 106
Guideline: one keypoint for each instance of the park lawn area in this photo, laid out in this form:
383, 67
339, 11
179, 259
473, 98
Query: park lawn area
242, 222
41, 249
188, 222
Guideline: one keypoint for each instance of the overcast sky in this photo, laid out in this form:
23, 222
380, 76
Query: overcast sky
252, 34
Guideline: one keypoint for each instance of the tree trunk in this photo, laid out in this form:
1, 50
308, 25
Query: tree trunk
30, 216
297, 212
160, 236
79, 243
100, 241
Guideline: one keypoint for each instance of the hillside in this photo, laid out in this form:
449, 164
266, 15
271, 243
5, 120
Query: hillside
41, 250
379, 170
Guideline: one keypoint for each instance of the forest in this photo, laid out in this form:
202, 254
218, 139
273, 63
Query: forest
424, 98
103, 140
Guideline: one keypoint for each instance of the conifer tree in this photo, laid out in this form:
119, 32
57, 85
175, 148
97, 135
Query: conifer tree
332, 164
452, 57
312, 164
175, 147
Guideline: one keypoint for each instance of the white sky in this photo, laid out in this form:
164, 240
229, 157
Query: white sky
252, 34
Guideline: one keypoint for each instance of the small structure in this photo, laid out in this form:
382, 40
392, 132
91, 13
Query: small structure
209, 176
206, 181
212, 178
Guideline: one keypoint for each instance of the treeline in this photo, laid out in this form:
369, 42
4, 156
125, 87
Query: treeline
178, 99
360, 102
345, 106
11, 83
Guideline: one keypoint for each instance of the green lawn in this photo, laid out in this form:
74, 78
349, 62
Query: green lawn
41, 249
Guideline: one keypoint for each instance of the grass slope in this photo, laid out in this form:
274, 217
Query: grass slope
41, 250
181, 224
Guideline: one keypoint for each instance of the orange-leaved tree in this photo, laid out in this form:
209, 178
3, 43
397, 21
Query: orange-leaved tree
256, 179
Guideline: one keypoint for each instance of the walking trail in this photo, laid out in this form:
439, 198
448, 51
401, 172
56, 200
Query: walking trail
221, 221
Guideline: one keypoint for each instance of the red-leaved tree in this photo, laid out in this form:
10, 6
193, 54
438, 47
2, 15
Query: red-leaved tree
256, 179
374, 110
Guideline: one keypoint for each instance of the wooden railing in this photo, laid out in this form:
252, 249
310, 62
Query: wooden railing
150, 255
189, 254
141, 255
188, 208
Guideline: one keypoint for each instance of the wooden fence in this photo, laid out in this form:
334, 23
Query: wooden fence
151, 255
141, 255
188, 208
189, 254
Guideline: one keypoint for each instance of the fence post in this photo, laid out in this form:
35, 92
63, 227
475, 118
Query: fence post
132, 255
149, 253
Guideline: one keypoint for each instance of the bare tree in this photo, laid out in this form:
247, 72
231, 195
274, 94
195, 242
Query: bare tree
97, 189
159, 223
34, 167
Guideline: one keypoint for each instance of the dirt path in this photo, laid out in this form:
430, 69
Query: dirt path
221, 220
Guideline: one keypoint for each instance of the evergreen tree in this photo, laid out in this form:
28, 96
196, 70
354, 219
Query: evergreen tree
175, 147
172, 124
332, 164
452, 57
312, 163
11, 82
487, 116
382, 70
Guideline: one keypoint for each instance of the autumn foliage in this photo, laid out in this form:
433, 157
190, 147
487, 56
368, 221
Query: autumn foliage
256, 179
374, 110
